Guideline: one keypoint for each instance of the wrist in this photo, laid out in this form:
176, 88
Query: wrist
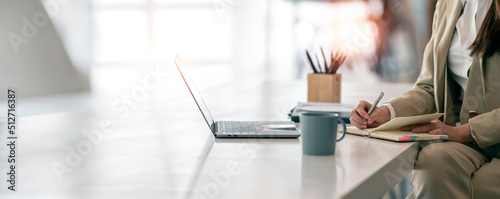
463, 131
392, 112
386, 113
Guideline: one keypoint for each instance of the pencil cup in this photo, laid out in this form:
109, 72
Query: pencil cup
323, 87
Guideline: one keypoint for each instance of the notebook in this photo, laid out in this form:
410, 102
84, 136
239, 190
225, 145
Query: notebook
392, 129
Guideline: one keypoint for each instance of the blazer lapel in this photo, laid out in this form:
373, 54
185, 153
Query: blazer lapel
490, 68
441, 53
474, 98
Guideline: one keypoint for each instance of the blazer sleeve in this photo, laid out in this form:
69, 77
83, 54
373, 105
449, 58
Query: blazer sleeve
420, 100
485, 128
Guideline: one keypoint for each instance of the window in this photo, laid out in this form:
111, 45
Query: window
138, 32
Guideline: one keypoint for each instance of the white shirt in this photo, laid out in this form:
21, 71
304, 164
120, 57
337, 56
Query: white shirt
465, 33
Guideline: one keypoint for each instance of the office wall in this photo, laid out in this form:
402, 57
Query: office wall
72, 20
250, 35
32, 56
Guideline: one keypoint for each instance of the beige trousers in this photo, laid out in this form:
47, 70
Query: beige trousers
454, 170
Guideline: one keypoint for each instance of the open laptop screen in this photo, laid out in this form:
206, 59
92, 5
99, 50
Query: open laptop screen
196, 95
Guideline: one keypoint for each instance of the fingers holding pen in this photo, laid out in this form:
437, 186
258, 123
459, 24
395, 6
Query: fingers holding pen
358, 114
362, 110
356, 120
381, 115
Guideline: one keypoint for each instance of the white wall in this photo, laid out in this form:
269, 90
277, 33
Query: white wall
32, 56
72, 21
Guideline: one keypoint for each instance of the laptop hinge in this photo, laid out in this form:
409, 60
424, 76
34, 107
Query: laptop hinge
215, 128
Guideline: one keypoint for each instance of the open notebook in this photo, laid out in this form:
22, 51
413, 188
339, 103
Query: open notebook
392, 129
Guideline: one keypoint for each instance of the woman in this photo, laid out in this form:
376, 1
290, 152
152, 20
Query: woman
461, 78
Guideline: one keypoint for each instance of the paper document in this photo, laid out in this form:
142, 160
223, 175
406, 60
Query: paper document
323, 107
399, 122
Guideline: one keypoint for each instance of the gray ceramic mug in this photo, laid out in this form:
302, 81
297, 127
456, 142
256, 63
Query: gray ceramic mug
318, 132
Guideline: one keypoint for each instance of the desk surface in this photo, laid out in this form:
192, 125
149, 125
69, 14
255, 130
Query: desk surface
163, 149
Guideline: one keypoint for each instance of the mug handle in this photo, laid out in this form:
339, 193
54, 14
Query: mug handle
343, 132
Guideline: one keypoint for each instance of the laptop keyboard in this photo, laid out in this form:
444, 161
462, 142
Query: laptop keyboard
237, 128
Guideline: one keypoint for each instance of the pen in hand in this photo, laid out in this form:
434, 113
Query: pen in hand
374, 105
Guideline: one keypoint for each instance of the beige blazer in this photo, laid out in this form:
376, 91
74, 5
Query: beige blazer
434, 89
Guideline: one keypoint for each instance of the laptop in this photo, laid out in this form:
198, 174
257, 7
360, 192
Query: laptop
238, 129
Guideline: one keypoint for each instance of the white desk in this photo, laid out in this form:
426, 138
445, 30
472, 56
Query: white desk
361, 168
163, 149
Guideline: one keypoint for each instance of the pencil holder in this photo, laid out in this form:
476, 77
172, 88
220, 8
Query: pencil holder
323, 87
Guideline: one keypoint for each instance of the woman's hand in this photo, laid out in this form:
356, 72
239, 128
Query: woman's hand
435, 127
378, 117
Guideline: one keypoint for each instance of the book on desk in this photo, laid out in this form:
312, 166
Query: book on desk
344, 111
392, 129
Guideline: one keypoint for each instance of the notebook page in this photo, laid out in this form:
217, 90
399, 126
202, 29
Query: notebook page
398, 122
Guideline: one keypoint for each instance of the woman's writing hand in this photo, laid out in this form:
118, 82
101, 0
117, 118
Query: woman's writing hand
378, 117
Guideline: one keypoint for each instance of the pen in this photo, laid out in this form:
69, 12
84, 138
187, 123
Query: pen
324, 59
311, 62
331, 64
319, 65
374, 104
340, 62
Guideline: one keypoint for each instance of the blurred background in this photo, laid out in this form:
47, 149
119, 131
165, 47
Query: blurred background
385, 36
108, 41
68, 55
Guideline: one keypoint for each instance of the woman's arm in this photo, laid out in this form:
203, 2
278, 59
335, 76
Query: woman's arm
460, 133
420, 100
485, 128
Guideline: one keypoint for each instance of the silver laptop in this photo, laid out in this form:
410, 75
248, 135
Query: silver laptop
232, 129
